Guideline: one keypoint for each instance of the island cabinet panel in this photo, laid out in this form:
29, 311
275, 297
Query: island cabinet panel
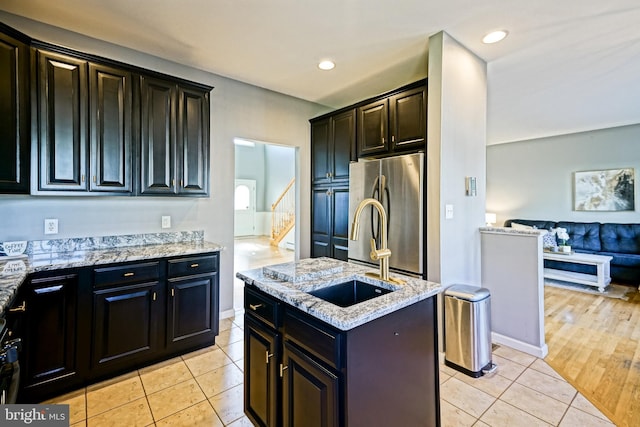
400, 350
63, 115
14, 114
310, 392
262, 358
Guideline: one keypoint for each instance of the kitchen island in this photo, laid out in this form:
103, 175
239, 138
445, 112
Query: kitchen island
311, 362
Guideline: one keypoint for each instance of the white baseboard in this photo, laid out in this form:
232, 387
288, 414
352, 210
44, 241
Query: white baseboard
540, 352
227, 313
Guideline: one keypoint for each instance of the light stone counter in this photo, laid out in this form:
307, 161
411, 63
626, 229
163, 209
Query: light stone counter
291, 282
47, 255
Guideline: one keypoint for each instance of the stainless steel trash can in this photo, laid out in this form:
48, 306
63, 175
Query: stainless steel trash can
467, 311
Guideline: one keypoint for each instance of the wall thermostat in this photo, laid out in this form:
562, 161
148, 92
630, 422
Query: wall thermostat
470, 186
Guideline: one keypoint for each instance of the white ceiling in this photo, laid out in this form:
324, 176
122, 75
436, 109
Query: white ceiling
566, 66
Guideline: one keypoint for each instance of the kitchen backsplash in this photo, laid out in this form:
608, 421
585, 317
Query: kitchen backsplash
108, 242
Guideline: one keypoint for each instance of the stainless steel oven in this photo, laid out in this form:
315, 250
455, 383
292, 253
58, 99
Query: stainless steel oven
9, 365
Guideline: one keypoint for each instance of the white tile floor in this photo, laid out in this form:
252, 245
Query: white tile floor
205, 388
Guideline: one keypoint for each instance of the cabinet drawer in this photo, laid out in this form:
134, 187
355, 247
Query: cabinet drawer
263, 307
126, 274
193, 265
317, 339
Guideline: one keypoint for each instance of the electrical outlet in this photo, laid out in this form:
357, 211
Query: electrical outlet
51, 226
166, 222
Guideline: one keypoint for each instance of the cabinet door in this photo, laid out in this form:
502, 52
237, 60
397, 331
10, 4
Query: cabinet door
261, 381
340, 223
14, 115
158, 144
62, 100
125, 325
49, 340
409, 119
310, 392
372, 128
343, 141
193, 304
193, 142
320, 222
320, 152
110, 96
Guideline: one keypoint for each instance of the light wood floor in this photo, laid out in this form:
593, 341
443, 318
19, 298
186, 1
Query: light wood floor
594, 343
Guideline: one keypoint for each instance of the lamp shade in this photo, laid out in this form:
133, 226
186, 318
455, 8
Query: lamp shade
490, 218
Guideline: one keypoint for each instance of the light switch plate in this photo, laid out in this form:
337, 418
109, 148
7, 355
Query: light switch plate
166, 221
448, 211
51, 226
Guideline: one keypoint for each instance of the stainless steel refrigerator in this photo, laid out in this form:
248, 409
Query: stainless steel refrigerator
398, 183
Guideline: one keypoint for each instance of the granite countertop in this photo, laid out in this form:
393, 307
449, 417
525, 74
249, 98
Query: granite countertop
291, 282
14, 270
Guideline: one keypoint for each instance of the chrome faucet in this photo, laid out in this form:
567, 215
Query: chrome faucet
376, 254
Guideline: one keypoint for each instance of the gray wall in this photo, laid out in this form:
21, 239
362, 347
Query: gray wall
534, 179
237, 109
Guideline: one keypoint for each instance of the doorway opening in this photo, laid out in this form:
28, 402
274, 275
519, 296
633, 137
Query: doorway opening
264, 173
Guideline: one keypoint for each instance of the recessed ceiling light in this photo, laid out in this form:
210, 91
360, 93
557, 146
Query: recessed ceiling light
326, 65
494, 36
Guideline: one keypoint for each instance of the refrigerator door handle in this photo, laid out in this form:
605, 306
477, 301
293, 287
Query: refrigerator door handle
385, 199
375, 194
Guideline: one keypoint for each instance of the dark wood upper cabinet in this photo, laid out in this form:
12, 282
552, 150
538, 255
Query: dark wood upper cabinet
14, 113
174, 138
408, 119
62, 105
332, 144
111, 148
372, 128
393, 123
158, 134
72, 123
193, 141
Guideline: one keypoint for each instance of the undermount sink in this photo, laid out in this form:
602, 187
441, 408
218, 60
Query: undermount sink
349, 293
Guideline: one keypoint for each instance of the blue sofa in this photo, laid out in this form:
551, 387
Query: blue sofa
620, 241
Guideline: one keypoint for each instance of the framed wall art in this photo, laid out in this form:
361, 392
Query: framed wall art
604, 190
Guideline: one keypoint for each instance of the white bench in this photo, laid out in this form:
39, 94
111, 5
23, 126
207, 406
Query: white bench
601, 279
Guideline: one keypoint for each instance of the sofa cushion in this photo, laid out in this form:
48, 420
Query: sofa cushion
542, 225
621, 238
623, 260
583, 235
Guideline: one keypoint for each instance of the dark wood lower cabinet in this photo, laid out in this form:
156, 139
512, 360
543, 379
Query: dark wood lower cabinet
83, 325
48, 329
192, 304
126, 323
310, 392
261, 361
